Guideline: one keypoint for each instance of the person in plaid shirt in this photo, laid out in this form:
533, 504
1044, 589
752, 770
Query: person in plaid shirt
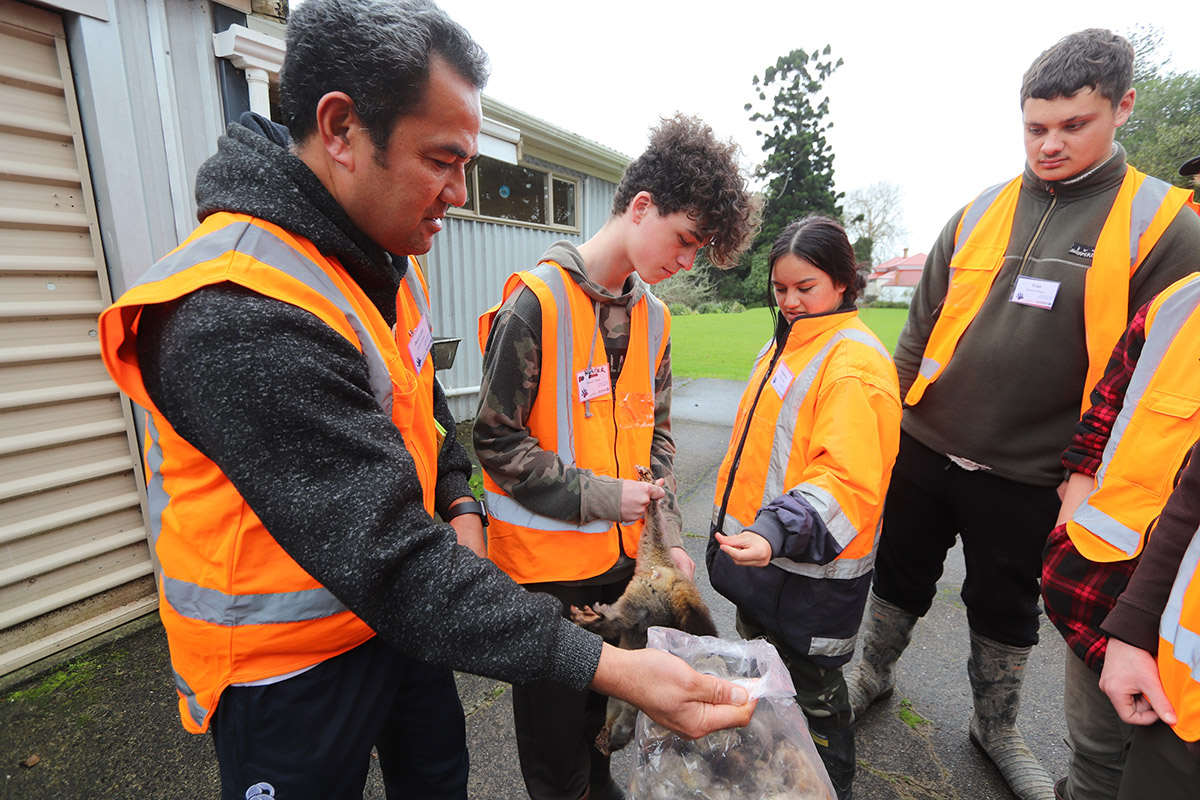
1079, 593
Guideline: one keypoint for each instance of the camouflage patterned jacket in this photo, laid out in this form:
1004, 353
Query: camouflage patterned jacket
512, 363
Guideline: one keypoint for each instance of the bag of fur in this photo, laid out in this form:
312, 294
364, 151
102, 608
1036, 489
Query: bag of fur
772, 758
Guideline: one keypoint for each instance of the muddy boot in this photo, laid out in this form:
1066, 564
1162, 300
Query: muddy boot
996, 671
836, 749
886, 631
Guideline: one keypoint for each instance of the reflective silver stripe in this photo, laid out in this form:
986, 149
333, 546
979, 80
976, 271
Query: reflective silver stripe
417, 291
655, 329
975, 213
504, 508
840, 568
156, 495
218, 608
1185, 642
822, 646
785, 425
929, 367
196, 711
831, 513
1146, 202
272, 251
1171, 316
564, 380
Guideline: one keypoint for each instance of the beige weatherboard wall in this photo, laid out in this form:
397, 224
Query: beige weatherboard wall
73, 554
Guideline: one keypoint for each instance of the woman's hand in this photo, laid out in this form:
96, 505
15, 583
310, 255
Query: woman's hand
746, 549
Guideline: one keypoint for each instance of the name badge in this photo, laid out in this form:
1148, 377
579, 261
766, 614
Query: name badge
593, 382
420, 342
781, 381
1034, 292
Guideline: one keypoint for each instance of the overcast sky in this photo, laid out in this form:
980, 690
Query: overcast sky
928, 96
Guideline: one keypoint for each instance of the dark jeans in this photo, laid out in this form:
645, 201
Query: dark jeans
556, 726
310, 736
1003, 524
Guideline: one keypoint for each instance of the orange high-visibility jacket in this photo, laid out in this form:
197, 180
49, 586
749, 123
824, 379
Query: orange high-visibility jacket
1143, 209
821, 419
236, 607
1159, 421
609, 434
1179, 645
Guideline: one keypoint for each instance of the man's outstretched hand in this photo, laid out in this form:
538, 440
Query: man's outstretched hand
671, 693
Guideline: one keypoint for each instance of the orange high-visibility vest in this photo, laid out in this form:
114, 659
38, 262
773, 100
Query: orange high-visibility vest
236, 607
841, 465
1159, 421
1144, 207
1179, 645
609, 434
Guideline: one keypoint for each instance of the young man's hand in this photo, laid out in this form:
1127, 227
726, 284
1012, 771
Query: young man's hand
746, 549
636, 497
1130, 679
671, 693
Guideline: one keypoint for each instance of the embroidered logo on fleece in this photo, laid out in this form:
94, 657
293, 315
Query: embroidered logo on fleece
1082, 251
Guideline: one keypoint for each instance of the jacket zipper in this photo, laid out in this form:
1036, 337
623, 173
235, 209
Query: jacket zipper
1037, 234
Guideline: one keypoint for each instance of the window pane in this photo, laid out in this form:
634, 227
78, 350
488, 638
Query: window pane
511, 192
564, 203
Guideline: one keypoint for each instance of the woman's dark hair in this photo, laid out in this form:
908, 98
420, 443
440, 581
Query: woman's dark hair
822, 242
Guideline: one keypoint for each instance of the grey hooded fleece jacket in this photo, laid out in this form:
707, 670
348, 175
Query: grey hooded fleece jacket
282, 404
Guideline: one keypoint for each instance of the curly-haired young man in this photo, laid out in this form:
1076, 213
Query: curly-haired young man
576, 392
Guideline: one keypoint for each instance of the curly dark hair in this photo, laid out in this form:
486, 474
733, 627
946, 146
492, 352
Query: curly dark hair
822, 242
686, 169
1094, 58
377, 52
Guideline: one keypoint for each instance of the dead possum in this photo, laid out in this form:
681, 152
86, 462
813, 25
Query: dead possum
658, 594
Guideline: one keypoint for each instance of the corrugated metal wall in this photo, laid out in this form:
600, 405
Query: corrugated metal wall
468, 265
73, 553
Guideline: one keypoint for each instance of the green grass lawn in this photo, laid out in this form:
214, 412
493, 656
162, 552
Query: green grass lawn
724, 345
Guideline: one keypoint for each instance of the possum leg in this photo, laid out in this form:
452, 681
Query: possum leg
610, 621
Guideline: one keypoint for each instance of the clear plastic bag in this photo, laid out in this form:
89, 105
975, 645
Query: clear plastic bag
772, 758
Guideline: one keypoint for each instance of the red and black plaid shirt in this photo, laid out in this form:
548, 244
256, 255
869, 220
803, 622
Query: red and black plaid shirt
1079, 593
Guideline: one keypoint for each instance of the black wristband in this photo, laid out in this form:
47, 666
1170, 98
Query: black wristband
467, 507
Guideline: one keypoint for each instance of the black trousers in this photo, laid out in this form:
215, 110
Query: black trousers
310, 736
1003, 525
556, 726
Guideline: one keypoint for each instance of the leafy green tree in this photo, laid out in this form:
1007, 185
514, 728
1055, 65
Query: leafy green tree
1164, 129
798, 166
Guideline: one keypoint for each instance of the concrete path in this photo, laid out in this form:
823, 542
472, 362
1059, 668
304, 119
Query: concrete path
111, 730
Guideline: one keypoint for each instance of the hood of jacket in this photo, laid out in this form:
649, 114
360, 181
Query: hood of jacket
251, 174
567, 255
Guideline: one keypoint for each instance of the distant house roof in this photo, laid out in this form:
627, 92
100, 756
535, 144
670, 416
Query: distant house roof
903, 262
900, 271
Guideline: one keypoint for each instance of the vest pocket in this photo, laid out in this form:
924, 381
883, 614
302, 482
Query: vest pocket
971, 274
635, 410
1163, 435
